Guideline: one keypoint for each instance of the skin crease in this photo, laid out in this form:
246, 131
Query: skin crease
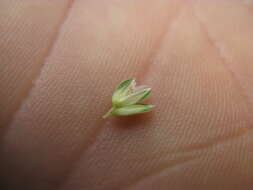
60, 62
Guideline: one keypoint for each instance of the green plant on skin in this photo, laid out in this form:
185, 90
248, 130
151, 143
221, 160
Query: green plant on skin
126, 99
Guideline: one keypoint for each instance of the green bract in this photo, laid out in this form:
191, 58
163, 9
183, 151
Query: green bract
126, 99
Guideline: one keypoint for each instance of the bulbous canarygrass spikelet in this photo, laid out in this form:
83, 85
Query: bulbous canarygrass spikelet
126, 99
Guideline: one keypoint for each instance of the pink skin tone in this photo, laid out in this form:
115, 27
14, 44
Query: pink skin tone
60, 62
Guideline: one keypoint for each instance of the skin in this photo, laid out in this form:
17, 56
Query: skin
60, 62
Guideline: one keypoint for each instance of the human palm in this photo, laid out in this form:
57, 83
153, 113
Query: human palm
60, 62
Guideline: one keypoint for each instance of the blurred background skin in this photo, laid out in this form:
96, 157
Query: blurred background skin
60, 61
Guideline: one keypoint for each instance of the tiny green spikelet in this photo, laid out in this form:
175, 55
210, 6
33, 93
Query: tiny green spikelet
126, 99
